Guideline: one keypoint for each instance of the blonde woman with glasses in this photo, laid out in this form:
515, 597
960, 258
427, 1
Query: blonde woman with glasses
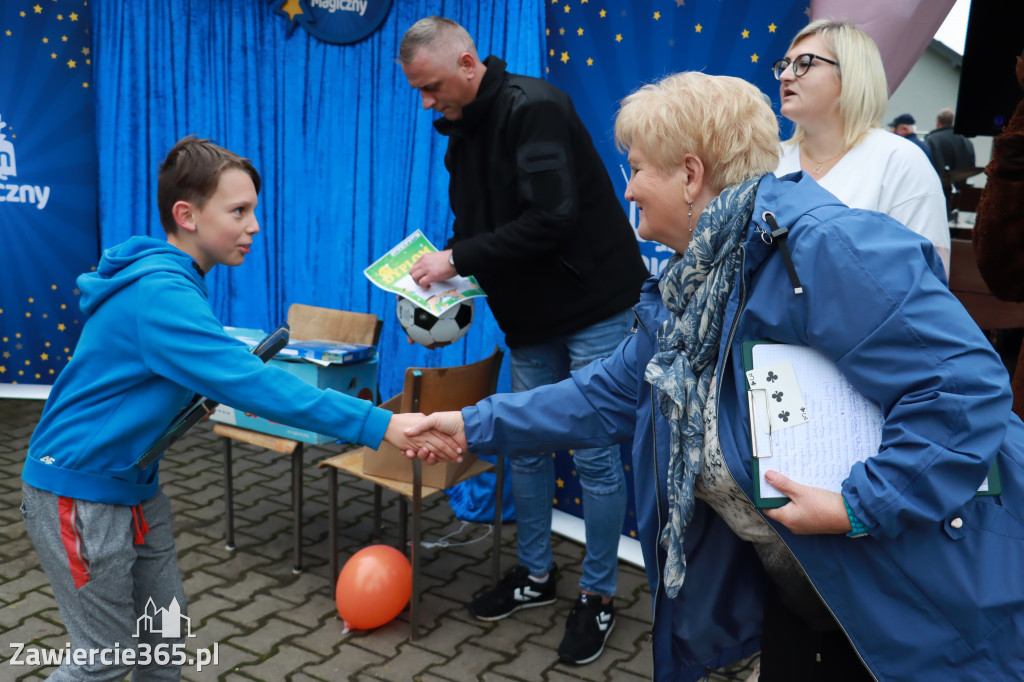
832, 86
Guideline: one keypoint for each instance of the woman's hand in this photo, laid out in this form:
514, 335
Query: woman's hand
447, 425
810, 510
431, 445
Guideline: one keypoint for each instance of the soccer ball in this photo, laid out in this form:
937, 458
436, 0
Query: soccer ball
433, 331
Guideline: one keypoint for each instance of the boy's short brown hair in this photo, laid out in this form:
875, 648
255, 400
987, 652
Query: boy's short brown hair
191, 173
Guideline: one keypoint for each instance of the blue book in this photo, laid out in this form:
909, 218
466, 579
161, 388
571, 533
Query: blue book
324, 351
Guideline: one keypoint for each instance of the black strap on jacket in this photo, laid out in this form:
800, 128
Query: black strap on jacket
779, 235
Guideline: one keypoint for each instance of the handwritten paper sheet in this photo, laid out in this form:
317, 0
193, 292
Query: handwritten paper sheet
844, 428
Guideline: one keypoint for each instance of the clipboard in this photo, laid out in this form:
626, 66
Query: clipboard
844, 427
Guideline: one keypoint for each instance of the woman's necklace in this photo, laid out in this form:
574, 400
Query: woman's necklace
821, 164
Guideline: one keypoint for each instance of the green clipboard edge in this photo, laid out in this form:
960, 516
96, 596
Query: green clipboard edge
755, 462
995, 483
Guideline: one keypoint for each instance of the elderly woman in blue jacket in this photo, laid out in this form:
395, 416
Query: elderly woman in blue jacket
905, 574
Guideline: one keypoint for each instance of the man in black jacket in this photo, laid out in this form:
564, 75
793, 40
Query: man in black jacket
949, 150
538, 224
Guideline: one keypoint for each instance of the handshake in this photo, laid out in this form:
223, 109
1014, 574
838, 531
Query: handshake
438, 437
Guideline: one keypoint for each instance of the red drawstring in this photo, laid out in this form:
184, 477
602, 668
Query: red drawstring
141, 527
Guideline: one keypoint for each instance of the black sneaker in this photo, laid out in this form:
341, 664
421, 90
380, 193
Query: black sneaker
515, 591
590, 622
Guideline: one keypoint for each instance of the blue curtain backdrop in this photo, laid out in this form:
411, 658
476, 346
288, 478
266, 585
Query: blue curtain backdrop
47, 183
350, 161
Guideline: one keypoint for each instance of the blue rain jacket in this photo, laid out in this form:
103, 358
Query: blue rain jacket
935, 591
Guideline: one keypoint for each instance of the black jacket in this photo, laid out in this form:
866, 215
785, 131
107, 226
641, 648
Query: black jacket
950, 150
537, 221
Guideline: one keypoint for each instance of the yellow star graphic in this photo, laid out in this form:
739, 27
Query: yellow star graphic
291, 8
576, 500
583, 2
60, 17
579, 31
31, 300
21, 13
61, 326
561, 31
53, 55
71, 64
73, 16
85, 51
772, 27
554, 2
28, 314
63, 39
37, 9
567, 9
754, 58
85, 85
44, 356
657, 16
565, 57
603, 14
46, 40
590, 61
618, 37
698, 28
560, 483
745, 33
8, 32
551, 53
3, 370
547, 31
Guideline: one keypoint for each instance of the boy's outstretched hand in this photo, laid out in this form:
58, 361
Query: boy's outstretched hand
442, 424
432, 445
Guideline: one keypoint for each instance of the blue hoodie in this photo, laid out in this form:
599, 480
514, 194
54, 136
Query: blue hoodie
150, 342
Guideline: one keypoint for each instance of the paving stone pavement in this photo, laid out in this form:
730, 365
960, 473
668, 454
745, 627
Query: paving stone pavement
266, 623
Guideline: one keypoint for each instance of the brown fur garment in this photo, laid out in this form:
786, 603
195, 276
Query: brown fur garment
999, 230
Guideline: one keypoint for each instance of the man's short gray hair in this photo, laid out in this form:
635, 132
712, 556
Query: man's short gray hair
439, 35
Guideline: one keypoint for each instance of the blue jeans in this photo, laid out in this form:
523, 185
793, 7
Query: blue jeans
600, 469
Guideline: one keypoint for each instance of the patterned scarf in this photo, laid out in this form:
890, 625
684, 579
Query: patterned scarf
695, 288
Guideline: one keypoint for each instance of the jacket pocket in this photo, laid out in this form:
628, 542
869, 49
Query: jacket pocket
969, 571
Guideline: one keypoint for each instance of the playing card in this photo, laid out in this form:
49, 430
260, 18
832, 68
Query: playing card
786, 406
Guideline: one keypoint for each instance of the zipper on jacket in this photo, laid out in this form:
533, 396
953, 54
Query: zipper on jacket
718, 407
657, 503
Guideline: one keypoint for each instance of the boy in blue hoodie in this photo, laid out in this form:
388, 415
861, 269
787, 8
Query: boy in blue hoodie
100, 524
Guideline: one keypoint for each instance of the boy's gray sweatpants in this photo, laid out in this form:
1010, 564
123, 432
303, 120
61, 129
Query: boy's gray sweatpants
104, 581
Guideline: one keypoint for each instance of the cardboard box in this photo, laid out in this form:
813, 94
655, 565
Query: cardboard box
356, 379
390, 462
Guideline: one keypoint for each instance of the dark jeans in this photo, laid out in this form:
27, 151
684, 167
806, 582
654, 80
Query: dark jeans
792, 651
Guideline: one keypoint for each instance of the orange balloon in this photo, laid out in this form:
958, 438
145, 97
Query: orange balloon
374, 586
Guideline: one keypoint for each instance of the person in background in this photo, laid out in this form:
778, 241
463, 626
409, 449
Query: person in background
905, 126
950, 151
832, 85
538, 224
998, 234
904, 573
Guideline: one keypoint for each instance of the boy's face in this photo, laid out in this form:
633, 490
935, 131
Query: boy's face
225, 225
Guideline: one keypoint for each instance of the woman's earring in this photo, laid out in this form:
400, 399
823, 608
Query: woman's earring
689, 216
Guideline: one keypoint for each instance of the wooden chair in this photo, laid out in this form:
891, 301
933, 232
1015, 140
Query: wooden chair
306, 322
426, 390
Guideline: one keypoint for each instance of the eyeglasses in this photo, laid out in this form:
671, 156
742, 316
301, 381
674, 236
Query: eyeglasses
800, 65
